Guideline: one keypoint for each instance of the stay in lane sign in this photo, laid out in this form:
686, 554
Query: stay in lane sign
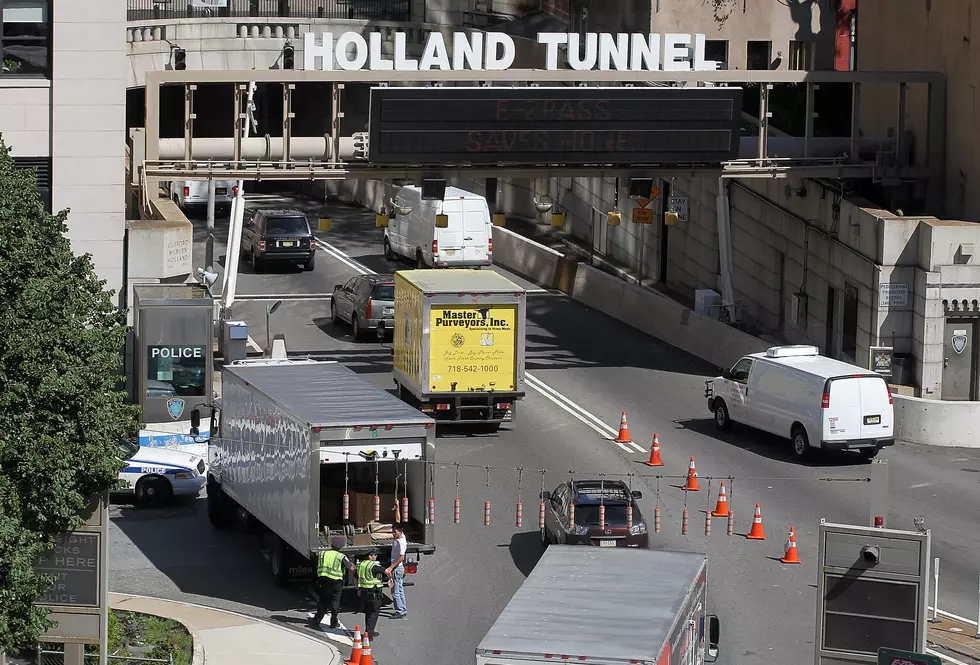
642, 216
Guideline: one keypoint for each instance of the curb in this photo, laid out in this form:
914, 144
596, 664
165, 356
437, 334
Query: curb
198, 657
337, 660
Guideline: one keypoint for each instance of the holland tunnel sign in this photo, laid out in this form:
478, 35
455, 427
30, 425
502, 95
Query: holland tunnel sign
671, 52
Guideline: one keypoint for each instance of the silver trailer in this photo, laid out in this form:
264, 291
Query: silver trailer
608, 606
299, 440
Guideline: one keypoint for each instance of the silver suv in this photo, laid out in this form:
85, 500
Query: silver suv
366, 301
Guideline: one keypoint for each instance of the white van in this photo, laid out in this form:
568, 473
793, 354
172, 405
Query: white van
194, 193
817, 402
466, 242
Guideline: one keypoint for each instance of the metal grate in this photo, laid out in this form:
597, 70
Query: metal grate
54, 654
43, 166
362, 10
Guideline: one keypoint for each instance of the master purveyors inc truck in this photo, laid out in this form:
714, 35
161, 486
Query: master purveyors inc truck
459, 344
295, 437
612, 606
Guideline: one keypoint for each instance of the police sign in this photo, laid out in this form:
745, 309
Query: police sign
176, 352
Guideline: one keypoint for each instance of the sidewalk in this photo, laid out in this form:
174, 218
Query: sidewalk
227, 638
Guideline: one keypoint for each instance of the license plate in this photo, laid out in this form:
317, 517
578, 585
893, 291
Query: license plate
607, 543
450, 252
389, 311
289, 243
872, 420
220, 190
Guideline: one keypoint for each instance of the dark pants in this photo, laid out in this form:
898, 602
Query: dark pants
327, 600
371, 604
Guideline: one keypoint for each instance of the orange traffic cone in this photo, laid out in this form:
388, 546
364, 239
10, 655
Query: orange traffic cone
366, 658
756, 532
721, 508
791, 556
624, 431
355, 653
692, 478
655, 453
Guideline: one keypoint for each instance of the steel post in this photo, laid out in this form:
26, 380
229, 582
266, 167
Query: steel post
335, 116
811, 89
287, 120
855, 122
209, 248
764, 116
237, 130
189, 117
879, 491
900, 126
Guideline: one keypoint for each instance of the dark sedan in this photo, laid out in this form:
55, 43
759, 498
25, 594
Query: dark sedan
586, 527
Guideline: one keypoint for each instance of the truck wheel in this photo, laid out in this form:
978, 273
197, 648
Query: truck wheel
278, 560
801, 444
869, 453
722, 420
218, 513
154, 491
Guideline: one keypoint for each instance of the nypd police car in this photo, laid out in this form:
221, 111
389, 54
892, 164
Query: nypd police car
155, 475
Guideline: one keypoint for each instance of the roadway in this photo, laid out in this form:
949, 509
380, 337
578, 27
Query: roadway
592, 367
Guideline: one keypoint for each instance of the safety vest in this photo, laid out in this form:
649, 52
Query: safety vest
329, 565
365, 575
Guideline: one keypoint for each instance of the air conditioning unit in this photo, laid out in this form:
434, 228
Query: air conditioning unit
705, 301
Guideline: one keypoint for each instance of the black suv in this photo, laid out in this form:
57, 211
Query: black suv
278, 236
585, 528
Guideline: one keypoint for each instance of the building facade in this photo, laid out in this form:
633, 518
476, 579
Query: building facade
62, 111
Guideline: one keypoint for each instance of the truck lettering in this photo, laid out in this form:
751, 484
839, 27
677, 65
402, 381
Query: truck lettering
479, 318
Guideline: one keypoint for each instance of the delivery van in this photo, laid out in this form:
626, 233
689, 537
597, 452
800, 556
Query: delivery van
467, 241
816, 402
194, 193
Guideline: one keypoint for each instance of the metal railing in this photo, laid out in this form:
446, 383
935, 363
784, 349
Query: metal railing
361, 10
51, 657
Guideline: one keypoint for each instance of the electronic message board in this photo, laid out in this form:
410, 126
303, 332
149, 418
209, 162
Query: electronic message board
562, 125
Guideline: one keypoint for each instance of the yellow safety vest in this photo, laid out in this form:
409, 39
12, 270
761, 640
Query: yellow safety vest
366, 578
329, 565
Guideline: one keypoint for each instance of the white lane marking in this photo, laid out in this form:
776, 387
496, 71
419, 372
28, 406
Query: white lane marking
955, 616
251, 343
338, 635
604, 430
944, 657
344, 258
918, 485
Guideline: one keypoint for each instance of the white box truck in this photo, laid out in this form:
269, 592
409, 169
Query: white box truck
295, 437
613, 606
814, 401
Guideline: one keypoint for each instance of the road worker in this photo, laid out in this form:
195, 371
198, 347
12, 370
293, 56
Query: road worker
370, 581
330, 567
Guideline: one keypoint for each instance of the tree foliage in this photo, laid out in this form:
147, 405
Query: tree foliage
62, 413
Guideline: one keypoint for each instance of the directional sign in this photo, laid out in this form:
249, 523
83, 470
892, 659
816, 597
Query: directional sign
896, 657
654, 193
642, 216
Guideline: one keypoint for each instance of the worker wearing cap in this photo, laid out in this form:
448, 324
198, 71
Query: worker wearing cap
330, 566
370, 580
396, 571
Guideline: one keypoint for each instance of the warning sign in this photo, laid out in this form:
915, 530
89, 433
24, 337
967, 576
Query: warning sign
642, 216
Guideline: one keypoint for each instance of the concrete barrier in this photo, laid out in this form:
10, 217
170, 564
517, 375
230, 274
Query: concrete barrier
525, 257
936, 422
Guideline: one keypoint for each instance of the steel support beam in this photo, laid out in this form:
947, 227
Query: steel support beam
811, 89
764, 116
189, 117
900, 127
335, 116
287, 120
936, 147
855, 122
240, 117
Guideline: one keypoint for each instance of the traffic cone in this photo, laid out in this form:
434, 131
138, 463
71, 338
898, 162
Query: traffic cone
355, 653
791, 556
721, 508
756, 532
366, 658
624, 431
655, 453
692, 478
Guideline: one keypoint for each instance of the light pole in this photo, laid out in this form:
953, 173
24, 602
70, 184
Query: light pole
269, 311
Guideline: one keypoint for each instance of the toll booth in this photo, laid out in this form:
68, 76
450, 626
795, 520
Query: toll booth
173, 332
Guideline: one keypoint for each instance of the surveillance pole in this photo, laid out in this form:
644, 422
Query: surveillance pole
209, 248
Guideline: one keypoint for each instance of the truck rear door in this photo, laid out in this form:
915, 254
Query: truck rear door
450, 239
877, 418
473, 347
476, 231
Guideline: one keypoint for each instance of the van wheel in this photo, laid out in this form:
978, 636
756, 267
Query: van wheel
801, 444
390, 255
722, 420
869, 453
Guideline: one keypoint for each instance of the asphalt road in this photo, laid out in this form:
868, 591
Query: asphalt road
604, 367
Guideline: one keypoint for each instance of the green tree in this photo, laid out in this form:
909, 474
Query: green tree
61, 410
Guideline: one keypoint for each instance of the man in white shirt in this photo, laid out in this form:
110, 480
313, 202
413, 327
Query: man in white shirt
396, 571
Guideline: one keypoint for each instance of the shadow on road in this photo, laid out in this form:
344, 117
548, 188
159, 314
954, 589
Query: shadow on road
768, 445
525, 549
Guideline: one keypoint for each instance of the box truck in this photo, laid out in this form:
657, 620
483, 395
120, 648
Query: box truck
459, 344
611, 606
309, 453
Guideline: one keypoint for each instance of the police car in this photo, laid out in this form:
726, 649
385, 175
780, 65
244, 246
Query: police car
156, 475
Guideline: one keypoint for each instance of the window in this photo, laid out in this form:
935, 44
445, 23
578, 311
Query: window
24, 38
717, 50
275, 226
801, 55
175, 369
740, 372
588, 515
384, 292
758, 55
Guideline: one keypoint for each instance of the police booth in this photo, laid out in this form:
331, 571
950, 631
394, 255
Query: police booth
173, 332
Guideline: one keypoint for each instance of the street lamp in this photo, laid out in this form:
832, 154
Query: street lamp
269, 311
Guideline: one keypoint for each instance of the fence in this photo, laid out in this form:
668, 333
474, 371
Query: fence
50, 655
361, 10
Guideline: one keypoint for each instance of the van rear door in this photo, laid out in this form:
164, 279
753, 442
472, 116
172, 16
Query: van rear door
450, 239
476, 231
856, 407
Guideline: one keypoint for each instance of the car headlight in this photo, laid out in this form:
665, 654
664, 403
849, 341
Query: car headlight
638, 529
579, 530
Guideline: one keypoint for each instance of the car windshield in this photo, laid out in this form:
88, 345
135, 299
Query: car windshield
383, 292
286, 226
129, 447
588, 515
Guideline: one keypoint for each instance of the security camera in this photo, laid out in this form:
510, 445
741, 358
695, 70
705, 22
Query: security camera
871, 553
208, 278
